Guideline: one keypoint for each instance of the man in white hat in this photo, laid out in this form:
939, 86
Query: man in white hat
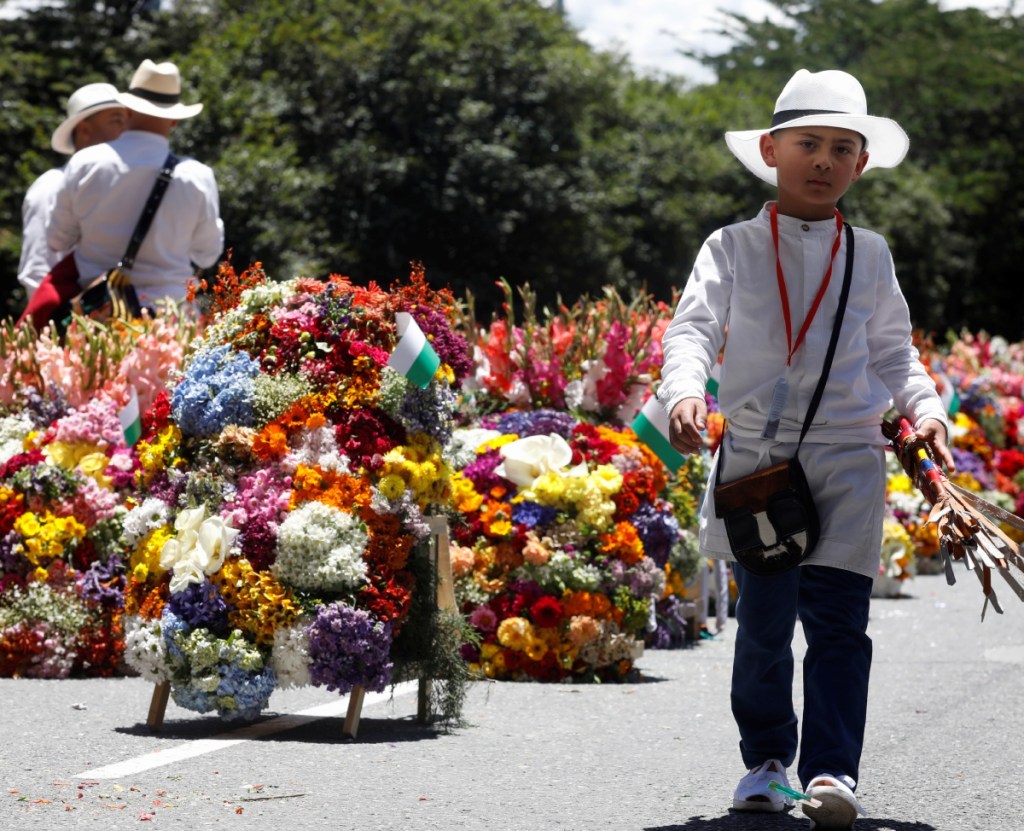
770, 280
94, 115
107, 186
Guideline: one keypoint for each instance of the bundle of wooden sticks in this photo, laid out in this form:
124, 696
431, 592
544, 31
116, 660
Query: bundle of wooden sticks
971, 530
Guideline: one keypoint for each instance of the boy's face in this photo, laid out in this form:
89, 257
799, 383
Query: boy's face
815, 167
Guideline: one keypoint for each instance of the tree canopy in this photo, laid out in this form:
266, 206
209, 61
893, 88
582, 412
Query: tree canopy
487, 140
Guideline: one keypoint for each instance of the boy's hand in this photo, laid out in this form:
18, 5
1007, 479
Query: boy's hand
933, 432
686, 422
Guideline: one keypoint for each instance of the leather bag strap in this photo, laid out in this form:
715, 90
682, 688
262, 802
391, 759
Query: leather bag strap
830, 354
163, 179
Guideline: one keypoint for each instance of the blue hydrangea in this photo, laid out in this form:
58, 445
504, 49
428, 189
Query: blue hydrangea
218, 389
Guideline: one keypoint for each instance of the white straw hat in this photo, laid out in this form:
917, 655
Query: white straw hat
84, 102
831, 98
156, 90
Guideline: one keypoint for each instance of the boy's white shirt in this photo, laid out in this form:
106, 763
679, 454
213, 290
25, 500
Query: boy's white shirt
734, 283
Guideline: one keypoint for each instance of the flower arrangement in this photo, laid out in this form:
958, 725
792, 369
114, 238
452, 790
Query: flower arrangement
284, 481
596, 359
562, 543
980, 378
65, 474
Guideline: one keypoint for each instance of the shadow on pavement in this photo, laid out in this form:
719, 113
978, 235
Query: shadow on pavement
737, 821
295, 729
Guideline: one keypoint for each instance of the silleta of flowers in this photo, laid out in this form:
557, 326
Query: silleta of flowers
283, 484
65, 474
562, 541
981, 379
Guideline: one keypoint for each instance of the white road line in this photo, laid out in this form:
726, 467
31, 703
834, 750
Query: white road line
160, 758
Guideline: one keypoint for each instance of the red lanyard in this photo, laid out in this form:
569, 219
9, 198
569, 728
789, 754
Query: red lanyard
784, 296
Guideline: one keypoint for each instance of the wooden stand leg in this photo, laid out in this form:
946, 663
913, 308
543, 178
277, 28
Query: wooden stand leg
158, 705
355, 710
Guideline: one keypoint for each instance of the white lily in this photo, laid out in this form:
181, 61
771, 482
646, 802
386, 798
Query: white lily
524, 460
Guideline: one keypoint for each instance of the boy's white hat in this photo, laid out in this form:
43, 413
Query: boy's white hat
156, 90
830, 98
84, 102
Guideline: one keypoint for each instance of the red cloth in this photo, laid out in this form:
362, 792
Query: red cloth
56, 289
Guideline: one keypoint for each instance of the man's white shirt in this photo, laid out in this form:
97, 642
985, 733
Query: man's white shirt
37, 258
104, 191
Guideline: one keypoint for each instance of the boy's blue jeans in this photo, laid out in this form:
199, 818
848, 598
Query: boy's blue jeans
833, 606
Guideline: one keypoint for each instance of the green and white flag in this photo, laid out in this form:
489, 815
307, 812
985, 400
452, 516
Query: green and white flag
131, 419
651, 426
712, 385
414, 357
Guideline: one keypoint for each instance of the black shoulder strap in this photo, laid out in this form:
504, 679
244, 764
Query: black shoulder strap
843, 296
148, 212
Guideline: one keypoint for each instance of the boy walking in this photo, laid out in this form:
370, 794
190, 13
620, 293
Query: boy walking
770, 281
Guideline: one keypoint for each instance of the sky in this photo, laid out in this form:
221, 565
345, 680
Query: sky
653, 31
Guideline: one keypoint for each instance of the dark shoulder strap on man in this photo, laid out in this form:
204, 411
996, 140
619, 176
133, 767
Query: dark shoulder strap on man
148, 212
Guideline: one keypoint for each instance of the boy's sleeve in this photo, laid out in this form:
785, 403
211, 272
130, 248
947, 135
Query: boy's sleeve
694, 337
894, 357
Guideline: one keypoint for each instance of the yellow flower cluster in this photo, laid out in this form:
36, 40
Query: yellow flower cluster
45, 536
465, 497
155, 456
145, 560
897, 550
88, 458
420, 467
259, 604
520, 635
588, 496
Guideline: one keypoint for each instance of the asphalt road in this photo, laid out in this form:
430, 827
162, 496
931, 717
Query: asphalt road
945, 746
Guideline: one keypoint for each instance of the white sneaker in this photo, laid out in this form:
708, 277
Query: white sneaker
754, 794
839, 807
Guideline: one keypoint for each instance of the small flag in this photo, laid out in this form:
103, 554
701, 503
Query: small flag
651, 426
947, 389
414, 357
131, 419
712, 385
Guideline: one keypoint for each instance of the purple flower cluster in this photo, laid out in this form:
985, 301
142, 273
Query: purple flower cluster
672, 625
44, 409
201, 605
971, 463
658, 530
532, 514
103, 583
347, 648
481, 472
538, 423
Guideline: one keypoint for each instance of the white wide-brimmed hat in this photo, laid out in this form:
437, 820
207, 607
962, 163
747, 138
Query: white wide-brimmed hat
84, 102
831, 98
156, 90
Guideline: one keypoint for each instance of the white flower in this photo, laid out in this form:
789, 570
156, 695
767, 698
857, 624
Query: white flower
145, 650
199, 549
526, 459
320, 548
290, 655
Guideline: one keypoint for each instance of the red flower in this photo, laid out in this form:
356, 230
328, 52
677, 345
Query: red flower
547, 612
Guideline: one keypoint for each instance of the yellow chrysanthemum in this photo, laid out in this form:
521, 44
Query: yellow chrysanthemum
145, 559
606, 479
515, 633
391, 486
